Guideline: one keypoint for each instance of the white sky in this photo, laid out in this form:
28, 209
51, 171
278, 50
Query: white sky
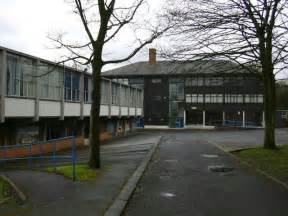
25, 24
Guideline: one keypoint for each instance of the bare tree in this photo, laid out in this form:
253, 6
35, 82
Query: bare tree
102, 20
247, 32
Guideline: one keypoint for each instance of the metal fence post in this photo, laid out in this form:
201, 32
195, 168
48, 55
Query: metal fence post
41, 155
30, 156
54, 154
4, 155
74, 158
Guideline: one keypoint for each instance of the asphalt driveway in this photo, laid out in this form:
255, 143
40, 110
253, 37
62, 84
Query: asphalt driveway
179, 180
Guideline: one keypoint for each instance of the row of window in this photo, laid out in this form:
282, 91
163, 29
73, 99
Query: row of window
284, 115
212, 81
22, 74
219, 98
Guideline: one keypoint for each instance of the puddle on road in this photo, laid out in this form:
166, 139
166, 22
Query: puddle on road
220, 168
167, 195
174, 143
171, 161
209, 156
165, 177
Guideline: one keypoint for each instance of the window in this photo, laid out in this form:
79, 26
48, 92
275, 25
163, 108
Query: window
72, 86
260, 98
195, 81
213, 98
75, 86
68, 83
194, 98
284, 115
20, 76
155, 81
105, 89
188, 98
254, 98
139, 98
214, 81
156, 98
86, 89
133, 81
176, 91
233, 98
133, 97
200, 98
115, 91
51, 81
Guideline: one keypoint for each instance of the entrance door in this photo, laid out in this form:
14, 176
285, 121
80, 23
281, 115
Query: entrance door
194, 117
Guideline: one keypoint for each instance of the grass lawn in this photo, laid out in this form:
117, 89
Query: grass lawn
83, 172
3, 190
273, 162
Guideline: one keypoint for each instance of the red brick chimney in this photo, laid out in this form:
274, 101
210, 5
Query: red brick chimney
152, 56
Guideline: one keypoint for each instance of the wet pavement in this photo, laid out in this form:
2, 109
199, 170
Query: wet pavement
50, 194
232, 140
188, 175
179, 179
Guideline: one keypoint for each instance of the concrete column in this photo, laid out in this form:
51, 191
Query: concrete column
129, 98
120, 99
62, 114
37, 89
3, 84
142, 102
63, 129
204, 118
263, 119
223, 118
136, 100
110, 98
243, 119
81, 96
80, 128
184, 118
43, 131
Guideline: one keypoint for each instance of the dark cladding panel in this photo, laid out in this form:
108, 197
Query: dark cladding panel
156, 101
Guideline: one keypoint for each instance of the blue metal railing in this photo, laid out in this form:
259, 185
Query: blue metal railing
239, 123
40, 154
139, 122
179, 122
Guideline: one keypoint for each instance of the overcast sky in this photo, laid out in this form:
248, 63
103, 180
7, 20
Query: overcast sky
25, 24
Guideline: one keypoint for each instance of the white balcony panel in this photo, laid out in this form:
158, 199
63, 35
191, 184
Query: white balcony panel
124, 111
18, 107
114, 110
104, 110
49, 109
86, 109
71, 109
139, 111
132, 111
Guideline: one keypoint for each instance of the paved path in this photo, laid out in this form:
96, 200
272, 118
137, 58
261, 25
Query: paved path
51, 194
178, 182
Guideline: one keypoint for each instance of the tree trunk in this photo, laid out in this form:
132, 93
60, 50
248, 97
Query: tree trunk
270, 109
94, 139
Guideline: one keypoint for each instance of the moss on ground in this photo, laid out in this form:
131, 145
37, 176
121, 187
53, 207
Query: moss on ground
83, 172
2, 189
273, 162
5, 192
